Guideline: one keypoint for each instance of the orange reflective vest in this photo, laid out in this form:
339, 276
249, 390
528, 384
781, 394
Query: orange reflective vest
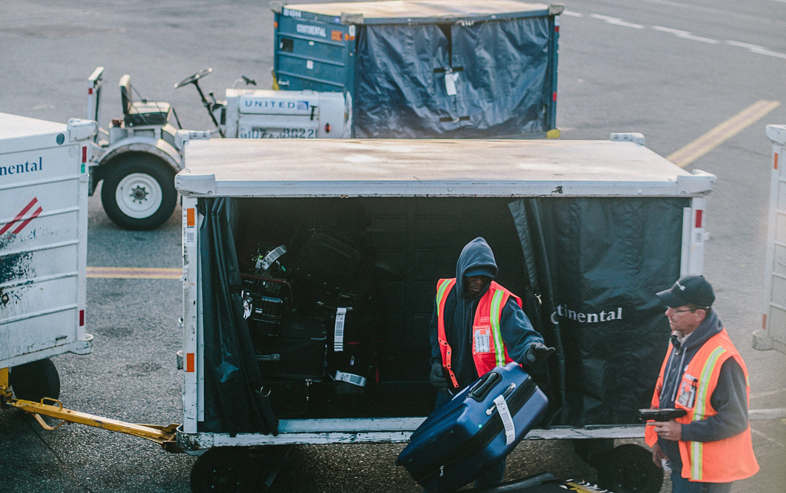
488, 349
721, 461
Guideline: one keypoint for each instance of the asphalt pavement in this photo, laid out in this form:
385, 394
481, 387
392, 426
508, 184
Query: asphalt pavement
671, 70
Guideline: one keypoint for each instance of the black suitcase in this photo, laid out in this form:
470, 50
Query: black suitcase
299, 352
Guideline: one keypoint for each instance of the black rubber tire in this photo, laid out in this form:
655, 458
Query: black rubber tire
629, 469
224, 469
35, 380
138, 163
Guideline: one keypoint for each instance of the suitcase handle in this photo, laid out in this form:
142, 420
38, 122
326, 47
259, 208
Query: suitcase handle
482, 388
505, 396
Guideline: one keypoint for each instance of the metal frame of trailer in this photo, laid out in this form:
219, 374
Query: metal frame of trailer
540, 168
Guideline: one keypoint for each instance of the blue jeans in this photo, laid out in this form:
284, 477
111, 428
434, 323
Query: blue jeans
682, 485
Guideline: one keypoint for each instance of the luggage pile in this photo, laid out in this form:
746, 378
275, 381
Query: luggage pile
309, 305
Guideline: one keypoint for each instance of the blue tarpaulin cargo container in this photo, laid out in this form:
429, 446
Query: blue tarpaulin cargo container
419, 69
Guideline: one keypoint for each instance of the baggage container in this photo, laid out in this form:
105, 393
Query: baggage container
773, 332
592, 228
478, 427
43, 247
418, 69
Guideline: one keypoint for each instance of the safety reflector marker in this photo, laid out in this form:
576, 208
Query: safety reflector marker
190, 217
19, 216
190, 362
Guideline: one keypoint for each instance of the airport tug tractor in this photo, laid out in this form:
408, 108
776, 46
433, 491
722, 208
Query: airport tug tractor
138, 157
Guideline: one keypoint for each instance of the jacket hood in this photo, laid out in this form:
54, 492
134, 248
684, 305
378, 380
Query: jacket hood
710, 326
476, 258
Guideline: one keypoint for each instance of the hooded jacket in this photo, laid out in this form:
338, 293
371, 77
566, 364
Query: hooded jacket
729, 398
477, 258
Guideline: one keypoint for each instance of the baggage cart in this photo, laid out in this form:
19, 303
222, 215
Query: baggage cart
773, 322
418, 69
591, 229
43, 249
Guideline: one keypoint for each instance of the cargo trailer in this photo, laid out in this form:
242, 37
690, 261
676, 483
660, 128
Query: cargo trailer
310, 275
43, 249
772, 334
419, 69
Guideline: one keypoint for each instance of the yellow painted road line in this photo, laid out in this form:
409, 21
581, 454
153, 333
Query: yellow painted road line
134, 273
722, 133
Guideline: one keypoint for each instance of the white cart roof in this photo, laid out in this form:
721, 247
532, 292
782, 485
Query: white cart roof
426, 10
18, 133
433, 168
13, 126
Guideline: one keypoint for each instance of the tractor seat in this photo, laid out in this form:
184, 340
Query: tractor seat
144, 112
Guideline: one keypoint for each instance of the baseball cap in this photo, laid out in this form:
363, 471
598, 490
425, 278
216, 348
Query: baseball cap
688, 290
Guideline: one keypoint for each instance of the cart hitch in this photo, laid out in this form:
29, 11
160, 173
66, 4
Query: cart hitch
163, 435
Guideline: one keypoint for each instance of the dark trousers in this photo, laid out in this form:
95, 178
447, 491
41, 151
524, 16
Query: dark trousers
682, 485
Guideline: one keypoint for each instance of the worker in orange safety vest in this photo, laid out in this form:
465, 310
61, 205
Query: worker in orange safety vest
478, 325
703, 374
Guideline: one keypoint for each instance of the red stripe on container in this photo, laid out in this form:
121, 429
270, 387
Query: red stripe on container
27, 221
19, 216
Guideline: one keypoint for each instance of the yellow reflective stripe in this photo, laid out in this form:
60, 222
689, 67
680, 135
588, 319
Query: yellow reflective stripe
499, 347
443, 286
702, 398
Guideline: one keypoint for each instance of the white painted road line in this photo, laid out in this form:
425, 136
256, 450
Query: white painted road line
685, 35
759, 50
616, 21
766, 437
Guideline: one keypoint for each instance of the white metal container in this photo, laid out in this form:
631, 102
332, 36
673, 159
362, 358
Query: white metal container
43, 238
404, 169
773, 332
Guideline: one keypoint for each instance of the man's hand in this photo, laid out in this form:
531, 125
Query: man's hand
537, 352
658, 456
437, 377
668, 430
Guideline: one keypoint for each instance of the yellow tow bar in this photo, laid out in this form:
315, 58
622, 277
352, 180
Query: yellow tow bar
163, 435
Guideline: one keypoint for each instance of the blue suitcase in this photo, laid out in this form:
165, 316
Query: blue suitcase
479, 426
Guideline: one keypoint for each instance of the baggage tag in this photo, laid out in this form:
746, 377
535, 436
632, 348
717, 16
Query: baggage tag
264, 263
350, 378
482, 341
338, 329
687, 393
507, 419
450, 82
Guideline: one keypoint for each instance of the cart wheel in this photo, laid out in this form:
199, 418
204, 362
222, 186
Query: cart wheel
35, 380
224, 469
138, 192
629, 469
